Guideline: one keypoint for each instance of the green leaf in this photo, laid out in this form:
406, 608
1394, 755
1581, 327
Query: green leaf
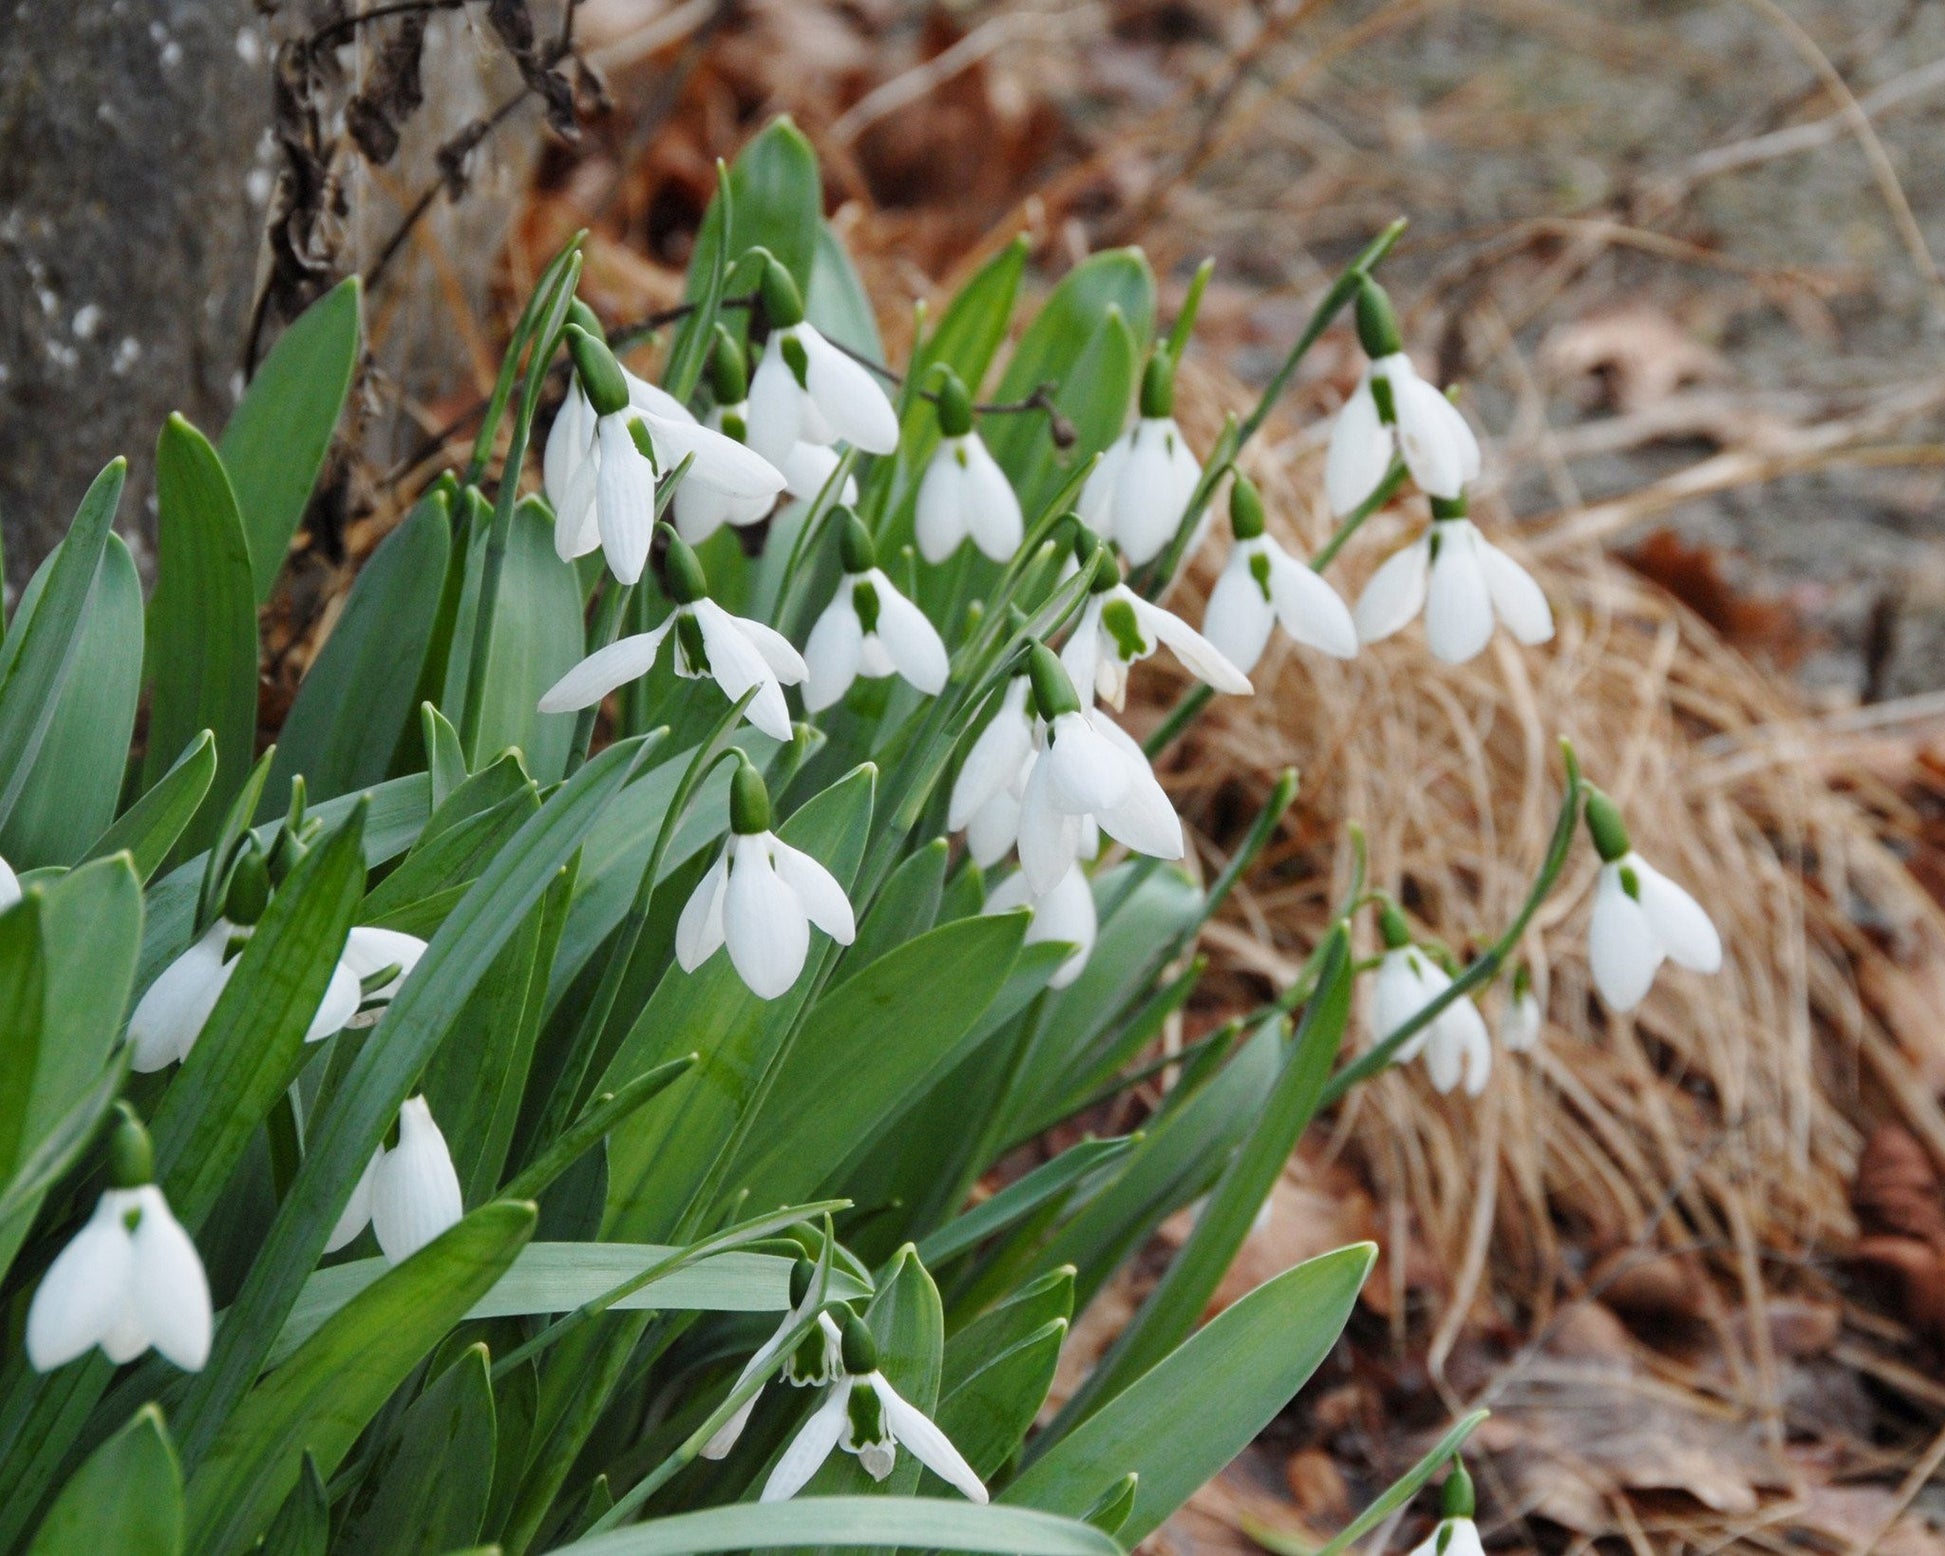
1403, 1489
867, 1048
777, 195
1020, 1199
278, 435
905, 909
1023, 1313
76, 777
988, 1414
22, 996
302, 1526
835, 300
559, 1277
538, 637
918, 1522
357, 696
229, 836
126, 1499
427, 1491
704, 288
202, 627
39, 654
321, 1399
149, 828
1186, 1418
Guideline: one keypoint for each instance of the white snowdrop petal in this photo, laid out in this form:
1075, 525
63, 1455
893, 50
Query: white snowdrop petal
736, 664
1459, 1048
699, 512
1143, 818
1199, 656
577, 529
1519, 1025
1517, 599
1360, 452
1066, 913
1097, 499
848, 397
765, 925
785, 663
1080, 656
624, 500
356, 1215
1049, 838
82, 1294
342, 996
1686, 932
824, 901
1312, 612
720, 464
1395, 594
415, 1193
602, 671
939, 520
1623, 950
656, 402
171, 1014
368, 950
995, 759
1458, 605
167, 1285
808, 466
1438, 446
9, 886
699, 931
1086, 771
992, 506
931, 1447
833, 651
916, 649
776, 407
567, 442
1146, 510
993, 829
1239, 619
811, 1446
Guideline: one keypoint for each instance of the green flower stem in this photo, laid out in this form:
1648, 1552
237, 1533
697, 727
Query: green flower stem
608, 616
820, 509
523, 333
1485, 966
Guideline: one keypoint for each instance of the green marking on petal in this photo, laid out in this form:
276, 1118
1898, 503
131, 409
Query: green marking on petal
1118, 618
797, 360
864, 600
1259, 569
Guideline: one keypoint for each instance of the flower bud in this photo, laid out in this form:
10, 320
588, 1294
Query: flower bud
1377, 324
1245, 508
1087, 544
284, 854
749, 801
729, 369
1053, 691
954, 403
860, 1349
803, 1274
854, 545
1606, 828
249, 892
783, 304
599, 372
1158, 386
1107, 572
131, 1156
682, 569
581, 314
1458, 1500
1392, 925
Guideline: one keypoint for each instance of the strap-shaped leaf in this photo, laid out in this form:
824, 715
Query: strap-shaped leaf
127, 1498
148, 829
919, 1522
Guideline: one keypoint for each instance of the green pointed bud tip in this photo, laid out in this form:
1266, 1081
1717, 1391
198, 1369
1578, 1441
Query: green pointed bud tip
803, 1276
131, 1158
1522, 981
683, 569
1450, 507
599, 372
1458, 1499
729, 369
1110, 1511
860, 1349
783, 304
1053, 691
1245, 509
955, 404
854, 544
249, 892
1158, 386
284, 854
749, 801
1606, 828
1392, 925
582, 316
1107, 571
1377, 323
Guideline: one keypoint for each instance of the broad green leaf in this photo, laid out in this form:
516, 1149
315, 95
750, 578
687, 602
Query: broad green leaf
1182, 1421
1046, 1183
426, 1492
302, 1526
358, 695
322, 1397
777, 195
537, 638
516, 1403
228, 839
918, 1522
866, 1048
278, 435
973, 326
23, 997
989, 1413
149, 828
704, 288
39, 653
251, 1047
904, 910
76, 778
201, 662
384, 1073
1024, 1313
835, 300
125, 1500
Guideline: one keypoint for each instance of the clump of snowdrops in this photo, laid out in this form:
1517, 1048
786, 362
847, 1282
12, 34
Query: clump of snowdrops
544, 1101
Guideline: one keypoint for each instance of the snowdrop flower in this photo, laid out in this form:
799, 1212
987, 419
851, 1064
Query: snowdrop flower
964, 492
864, 1415
808, 466
629, 434
1394, 412
9, 886
1640, 916
1118, 628
733, 651
1065, 914
1261, 585
985, 800
1520, 1022
1141, 488
131, 1278
1461, 581
806, 389
869, 629
1086, 769
704, 506
409, 1193
1456, 1534
1455, 1045
814, 1363
760, 898
368, 953
171, 1015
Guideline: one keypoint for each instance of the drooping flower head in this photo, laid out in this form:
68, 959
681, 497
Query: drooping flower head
1118, 628
1461, 581
869, 629
733, 651
1394, 412
1456, 1534
865, 1416
704, 506
805, 389
130, 1279
814, 1362
964, 493
986, 796
1065, 914
760, 898
1520, 1022
1140, 491
1641, 918
1263, 585
408, 1193
1455, 1044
